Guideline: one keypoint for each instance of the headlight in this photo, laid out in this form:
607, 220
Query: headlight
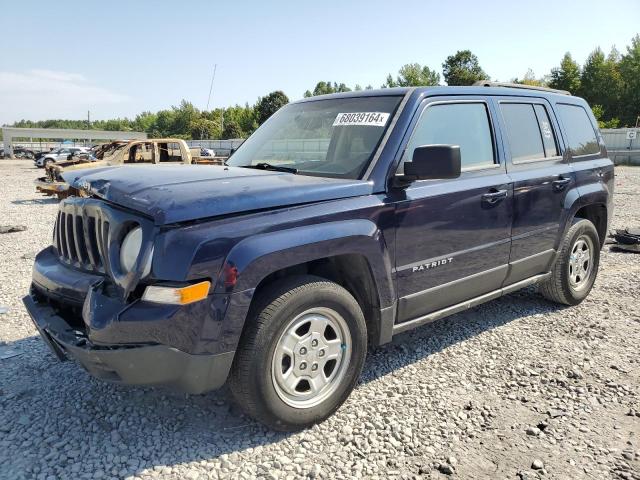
130, 249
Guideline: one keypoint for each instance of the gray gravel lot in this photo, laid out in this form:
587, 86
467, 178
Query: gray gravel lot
517, 388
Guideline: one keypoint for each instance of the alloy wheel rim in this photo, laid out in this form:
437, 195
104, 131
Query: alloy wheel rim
311, 357
580, 262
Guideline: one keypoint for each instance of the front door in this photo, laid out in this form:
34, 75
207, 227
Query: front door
541, 179
453, 236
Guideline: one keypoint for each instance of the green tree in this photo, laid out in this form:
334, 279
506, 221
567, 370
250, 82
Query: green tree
244, 116
164, 123
185, 116
269, 105
601, 83
144, 122
203, 128
530, 79
463, 68
413, 75
598, 112
325, 88
232, 130
630, 76
566, 76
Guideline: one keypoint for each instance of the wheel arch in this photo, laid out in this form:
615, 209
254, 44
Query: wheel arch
593, 204
352, 254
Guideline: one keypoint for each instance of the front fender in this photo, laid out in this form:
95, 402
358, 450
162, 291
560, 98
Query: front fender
254, 258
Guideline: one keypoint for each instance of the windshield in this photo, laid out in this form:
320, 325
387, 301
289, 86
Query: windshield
329, 138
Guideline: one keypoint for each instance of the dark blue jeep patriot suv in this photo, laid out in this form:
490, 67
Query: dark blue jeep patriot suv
342, 221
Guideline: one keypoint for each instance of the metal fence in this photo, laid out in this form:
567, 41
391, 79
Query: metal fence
221, 147
623, 145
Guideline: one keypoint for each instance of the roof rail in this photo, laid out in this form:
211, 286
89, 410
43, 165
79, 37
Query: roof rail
485, 83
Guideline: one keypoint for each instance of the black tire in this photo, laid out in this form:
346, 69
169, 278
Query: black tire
251, 382
559, 287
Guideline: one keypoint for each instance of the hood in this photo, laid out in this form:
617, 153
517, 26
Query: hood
171, 194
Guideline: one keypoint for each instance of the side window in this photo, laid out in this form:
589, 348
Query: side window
523, 131
549, 140
463, 124
580, 132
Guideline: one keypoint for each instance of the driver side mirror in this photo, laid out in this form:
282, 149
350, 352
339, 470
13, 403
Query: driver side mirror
433, 162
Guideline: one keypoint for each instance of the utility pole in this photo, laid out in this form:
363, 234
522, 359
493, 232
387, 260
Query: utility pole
213, 77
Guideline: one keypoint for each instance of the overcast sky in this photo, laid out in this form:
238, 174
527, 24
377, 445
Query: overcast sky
117, 58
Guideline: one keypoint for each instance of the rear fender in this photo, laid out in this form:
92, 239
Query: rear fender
590, 194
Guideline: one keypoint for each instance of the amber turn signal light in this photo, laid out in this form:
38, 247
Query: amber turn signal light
177, 296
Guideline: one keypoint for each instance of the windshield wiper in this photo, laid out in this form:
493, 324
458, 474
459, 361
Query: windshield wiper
270, 166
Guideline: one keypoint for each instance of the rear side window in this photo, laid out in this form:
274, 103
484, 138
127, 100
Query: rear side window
463, 124
523, 131
548, 138
529, 131
580, 132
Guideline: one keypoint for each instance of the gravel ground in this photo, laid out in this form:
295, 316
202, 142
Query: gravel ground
517, 388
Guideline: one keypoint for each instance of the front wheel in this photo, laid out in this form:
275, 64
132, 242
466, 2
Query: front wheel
301, 354
576, 266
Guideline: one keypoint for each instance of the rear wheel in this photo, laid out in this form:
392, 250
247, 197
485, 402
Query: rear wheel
576, 266
301, 354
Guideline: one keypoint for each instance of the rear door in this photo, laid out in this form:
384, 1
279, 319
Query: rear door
453, 236
541, 179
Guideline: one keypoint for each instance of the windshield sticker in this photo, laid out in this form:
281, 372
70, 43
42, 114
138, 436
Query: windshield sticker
374, 119
546, 129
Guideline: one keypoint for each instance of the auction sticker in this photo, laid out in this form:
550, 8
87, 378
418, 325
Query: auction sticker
374, 119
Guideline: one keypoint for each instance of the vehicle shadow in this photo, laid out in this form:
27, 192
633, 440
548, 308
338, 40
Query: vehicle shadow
36, 201
146, 428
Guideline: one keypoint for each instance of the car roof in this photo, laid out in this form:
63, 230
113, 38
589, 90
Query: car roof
520, 91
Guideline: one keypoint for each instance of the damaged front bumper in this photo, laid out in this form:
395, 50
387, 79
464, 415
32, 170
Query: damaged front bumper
144, 364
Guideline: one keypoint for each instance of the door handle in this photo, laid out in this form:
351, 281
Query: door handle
494, 197
558, 185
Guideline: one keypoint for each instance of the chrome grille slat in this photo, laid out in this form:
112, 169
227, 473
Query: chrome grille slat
98, 237
81, 238
92, 254
78, 237
62, 228
69, 235
56, 234
105, 242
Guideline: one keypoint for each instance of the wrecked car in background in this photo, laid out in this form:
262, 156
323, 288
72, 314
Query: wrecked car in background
158, 151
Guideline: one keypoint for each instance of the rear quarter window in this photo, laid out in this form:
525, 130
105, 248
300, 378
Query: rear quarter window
580, 132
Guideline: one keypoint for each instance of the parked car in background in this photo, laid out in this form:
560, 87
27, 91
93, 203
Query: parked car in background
21, 152
58, 155
157, 151
276, 271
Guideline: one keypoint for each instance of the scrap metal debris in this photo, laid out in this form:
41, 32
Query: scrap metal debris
627, 240
12, 228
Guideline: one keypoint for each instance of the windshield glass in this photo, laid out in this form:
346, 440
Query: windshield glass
329, 138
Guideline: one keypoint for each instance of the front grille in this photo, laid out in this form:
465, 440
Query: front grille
82, 238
